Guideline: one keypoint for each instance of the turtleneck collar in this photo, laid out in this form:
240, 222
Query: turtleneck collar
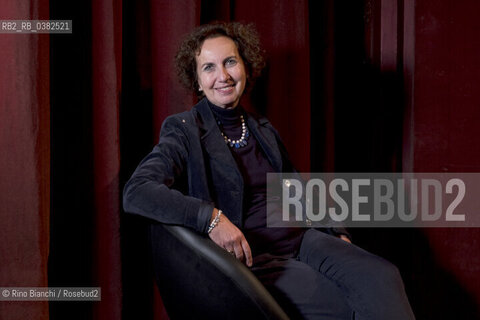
227, 116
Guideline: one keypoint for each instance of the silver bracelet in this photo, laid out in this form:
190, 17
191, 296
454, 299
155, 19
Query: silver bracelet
215, 221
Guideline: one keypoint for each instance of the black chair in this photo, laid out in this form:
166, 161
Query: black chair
199, 280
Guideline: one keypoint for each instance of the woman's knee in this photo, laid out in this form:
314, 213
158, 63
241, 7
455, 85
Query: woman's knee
378, 270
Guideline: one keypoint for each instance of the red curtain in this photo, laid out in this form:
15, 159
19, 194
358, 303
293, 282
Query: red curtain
106, 87
169, 22
24, 160
283, 26
444, 126
78, 112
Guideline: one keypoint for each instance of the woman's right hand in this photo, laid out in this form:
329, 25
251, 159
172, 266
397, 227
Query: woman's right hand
228, 236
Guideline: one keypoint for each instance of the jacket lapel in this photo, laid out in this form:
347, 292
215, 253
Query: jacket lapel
225, 175
211, 138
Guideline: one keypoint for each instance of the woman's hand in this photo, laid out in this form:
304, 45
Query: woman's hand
228, 236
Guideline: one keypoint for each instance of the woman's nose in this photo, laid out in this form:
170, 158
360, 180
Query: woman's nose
223, 74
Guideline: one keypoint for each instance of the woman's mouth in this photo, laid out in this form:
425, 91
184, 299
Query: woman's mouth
226, 89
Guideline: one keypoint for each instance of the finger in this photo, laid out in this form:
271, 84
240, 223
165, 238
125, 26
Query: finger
248, 253
239, 252
230, 251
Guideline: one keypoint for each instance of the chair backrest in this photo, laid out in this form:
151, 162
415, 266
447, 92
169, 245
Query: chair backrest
199, 280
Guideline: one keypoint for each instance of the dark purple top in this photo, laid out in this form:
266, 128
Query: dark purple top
254, 165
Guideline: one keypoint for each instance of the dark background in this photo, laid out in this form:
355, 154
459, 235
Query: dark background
352, 86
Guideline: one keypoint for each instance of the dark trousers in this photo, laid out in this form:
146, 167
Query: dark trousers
332, 279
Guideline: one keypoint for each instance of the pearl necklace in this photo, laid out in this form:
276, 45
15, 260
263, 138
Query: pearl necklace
239, 143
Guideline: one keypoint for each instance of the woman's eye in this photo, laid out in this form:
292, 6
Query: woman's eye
231, 62
208, 68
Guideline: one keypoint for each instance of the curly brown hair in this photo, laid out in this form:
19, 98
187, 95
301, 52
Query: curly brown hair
243, 35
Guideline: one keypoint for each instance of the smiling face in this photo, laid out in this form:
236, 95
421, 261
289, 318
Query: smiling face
221, 72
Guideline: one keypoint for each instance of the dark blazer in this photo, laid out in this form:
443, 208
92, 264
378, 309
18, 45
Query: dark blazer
191, 170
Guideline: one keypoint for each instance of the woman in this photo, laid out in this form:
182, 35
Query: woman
208, 173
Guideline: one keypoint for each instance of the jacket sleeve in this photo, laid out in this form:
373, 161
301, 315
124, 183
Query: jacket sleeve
150, 192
